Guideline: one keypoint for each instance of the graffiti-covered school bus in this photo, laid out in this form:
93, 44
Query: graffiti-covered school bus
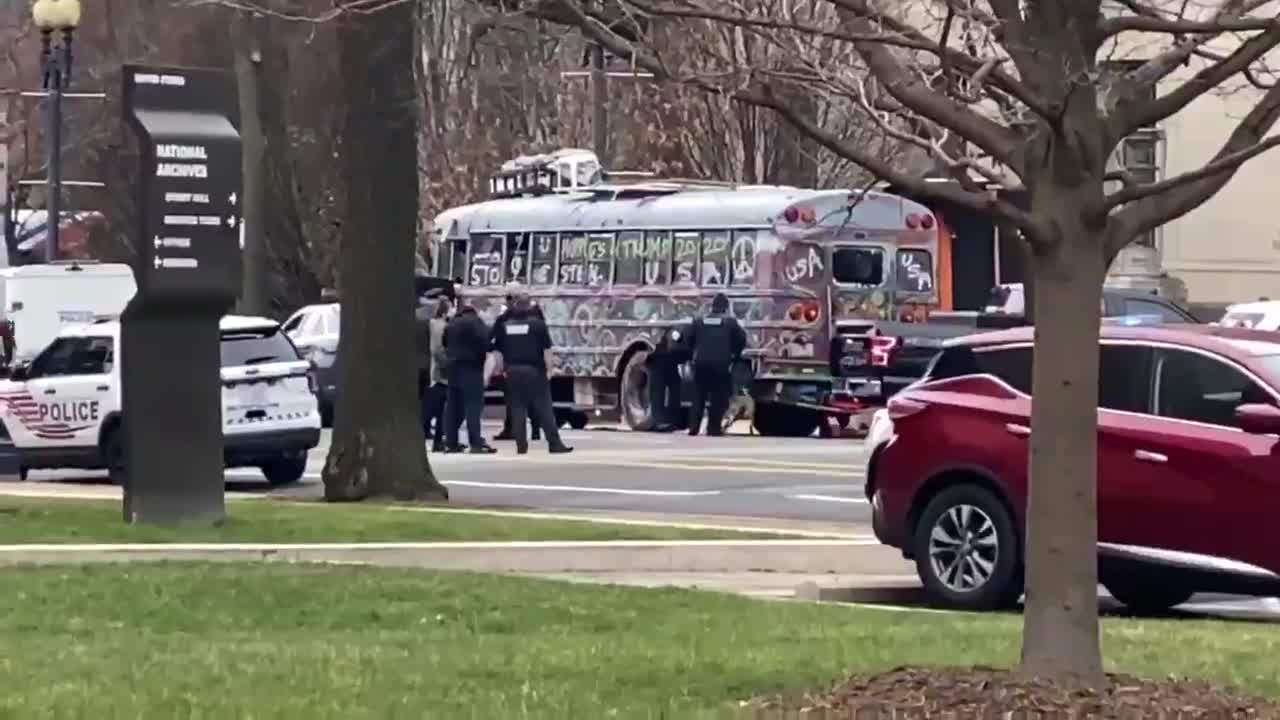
615, 266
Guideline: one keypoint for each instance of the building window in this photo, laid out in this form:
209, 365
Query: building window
1140, 158
1139, 154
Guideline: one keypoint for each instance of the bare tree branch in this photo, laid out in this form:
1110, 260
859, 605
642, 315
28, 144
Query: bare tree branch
1185, 193
340, 8
1133, 112
1115, 26
996, 140
764, 95
1220, 164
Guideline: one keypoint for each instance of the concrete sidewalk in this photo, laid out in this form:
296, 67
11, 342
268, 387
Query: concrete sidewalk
863, 588
820, 557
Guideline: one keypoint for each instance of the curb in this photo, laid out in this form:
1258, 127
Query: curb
894, 590
781, 556
731, 524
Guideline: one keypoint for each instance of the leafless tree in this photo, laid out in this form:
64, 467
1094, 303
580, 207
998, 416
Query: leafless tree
1022, 94
378, 446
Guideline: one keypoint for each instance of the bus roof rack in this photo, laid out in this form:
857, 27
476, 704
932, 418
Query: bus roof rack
561, 171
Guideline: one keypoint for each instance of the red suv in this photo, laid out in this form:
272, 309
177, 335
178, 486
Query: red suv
1188, 466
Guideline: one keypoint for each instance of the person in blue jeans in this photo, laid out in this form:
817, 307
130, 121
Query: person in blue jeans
466, 343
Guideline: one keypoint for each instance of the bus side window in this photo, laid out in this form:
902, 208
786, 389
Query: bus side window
629, 262
485, 267
685, 265
599, 259
914, 271
543, 263
457, 250
518, 258
742, 259
715, 258
573, 259
657, 258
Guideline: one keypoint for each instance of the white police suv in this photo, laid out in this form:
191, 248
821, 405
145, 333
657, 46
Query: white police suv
63, 409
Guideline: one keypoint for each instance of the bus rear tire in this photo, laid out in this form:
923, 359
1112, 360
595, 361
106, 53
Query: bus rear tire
633, 393
776, 420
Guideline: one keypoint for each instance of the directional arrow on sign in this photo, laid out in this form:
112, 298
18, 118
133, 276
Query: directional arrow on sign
158, 262
232, 198
231, 221
158, 243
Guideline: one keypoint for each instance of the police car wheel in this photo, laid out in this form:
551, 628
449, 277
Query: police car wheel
285, 471
113, 457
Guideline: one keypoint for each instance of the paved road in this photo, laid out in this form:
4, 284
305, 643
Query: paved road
614, 470
738, 475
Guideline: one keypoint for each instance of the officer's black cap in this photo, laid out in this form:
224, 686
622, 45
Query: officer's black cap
720, 303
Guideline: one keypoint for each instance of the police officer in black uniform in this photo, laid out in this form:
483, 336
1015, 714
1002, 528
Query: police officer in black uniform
525, 345
466, 342
505, 432
717, 341
663, 367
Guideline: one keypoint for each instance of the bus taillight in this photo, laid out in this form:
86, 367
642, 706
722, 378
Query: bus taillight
913, 314
924, 221
808, 312
800, 213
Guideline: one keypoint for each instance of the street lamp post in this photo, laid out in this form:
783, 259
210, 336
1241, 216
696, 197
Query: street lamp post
55, 16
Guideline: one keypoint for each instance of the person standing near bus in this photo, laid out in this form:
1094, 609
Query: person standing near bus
422, 315
509, 303
505, 432
466, 342
716, 341
525, 345
663, 366
438, 390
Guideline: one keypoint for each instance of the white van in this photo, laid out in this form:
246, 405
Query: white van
40, 300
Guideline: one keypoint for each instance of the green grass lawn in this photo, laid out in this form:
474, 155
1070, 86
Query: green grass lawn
40, 520
281, 641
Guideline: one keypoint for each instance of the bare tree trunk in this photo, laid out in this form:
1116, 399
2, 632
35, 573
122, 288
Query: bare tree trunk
378, 447
295, 258
248, 65
1060, 626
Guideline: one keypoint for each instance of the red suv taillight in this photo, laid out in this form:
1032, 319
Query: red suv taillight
900, 407
881, 350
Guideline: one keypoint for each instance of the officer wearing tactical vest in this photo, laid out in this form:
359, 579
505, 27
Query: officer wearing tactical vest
717, 341
525, 346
